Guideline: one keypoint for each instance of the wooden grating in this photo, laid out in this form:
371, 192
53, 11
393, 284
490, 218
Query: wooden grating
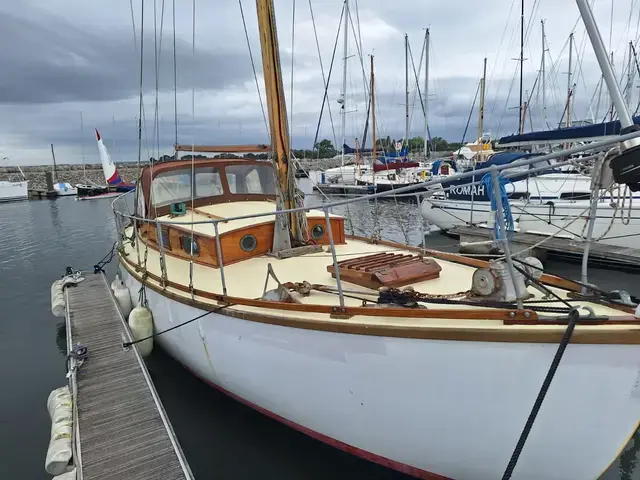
386, 270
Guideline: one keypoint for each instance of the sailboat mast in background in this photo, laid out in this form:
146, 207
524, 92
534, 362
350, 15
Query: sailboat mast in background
53, 155
406, 90
543, 75
343, 93
426, 95
481, 109
569, 81
373, 116
521, 104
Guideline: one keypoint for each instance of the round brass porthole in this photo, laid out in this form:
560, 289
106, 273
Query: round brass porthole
317, 232
248, 243
191, 248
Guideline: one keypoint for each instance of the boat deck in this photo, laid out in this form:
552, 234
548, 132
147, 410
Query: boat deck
246, 279
599, 253
120, 427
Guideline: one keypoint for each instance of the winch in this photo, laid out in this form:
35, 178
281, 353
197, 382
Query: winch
496, 282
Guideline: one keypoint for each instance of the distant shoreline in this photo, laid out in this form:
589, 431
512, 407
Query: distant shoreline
79, 173
69, 173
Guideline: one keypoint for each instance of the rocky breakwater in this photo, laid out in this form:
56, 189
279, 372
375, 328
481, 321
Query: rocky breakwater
72, 174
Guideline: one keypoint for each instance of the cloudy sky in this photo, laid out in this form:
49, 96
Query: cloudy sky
66, 59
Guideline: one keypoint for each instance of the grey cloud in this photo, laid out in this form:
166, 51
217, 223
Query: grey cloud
59, 62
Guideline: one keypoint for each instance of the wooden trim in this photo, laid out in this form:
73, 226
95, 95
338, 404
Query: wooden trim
222, 148
468, 261
205, 214
400, 312
470, 334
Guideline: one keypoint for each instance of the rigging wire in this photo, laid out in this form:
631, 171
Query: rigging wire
325, 80
253, 67
326, 87
360, 57
466, 127
175, 78
193, 145
140, 108
493, 69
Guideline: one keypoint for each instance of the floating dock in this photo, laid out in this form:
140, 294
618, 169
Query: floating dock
41, 193
471, 239
120, 427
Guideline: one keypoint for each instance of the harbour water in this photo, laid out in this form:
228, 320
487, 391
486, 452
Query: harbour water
221, 438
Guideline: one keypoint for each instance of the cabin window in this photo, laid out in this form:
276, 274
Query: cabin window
248, 243
190, 246
251, 179
317, 232
575, 195
208, 183
171, 187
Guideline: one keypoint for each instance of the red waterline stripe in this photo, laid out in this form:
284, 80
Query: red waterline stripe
372, 457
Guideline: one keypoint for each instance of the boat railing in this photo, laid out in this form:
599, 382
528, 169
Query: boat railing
124, 216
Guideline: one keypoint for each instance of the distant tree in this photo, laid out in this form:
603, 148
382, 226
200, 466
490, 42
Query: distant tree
197, 156
439, 144
325, 149
416, 143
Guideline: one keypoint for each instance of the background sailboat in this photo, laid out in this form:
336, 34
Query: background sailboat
114, 185
63, 189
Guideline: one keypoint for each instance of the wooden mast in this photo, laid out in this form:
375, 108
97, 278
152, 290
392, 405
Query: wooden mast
286, 230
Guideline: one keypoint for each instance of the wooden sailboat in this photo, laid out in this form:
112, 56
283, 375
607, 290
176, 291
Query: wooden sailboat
337, 342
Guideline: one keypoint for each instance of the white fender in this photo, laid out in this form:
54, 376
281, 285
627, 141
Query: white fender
123, 297
61, 412
141, 325
58, 304
117, 281
70, 475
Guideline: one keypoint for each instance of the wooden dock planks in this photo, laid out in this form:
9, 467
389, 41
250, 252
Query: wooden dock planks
121, 428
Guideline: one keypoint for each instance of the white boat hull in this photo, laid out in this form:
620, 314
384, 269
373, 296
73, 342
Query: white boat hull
434, 409
551, 217
14, 191
64, 189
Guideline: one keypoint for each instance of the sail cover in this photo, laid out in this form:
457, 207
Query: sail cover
570, 134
